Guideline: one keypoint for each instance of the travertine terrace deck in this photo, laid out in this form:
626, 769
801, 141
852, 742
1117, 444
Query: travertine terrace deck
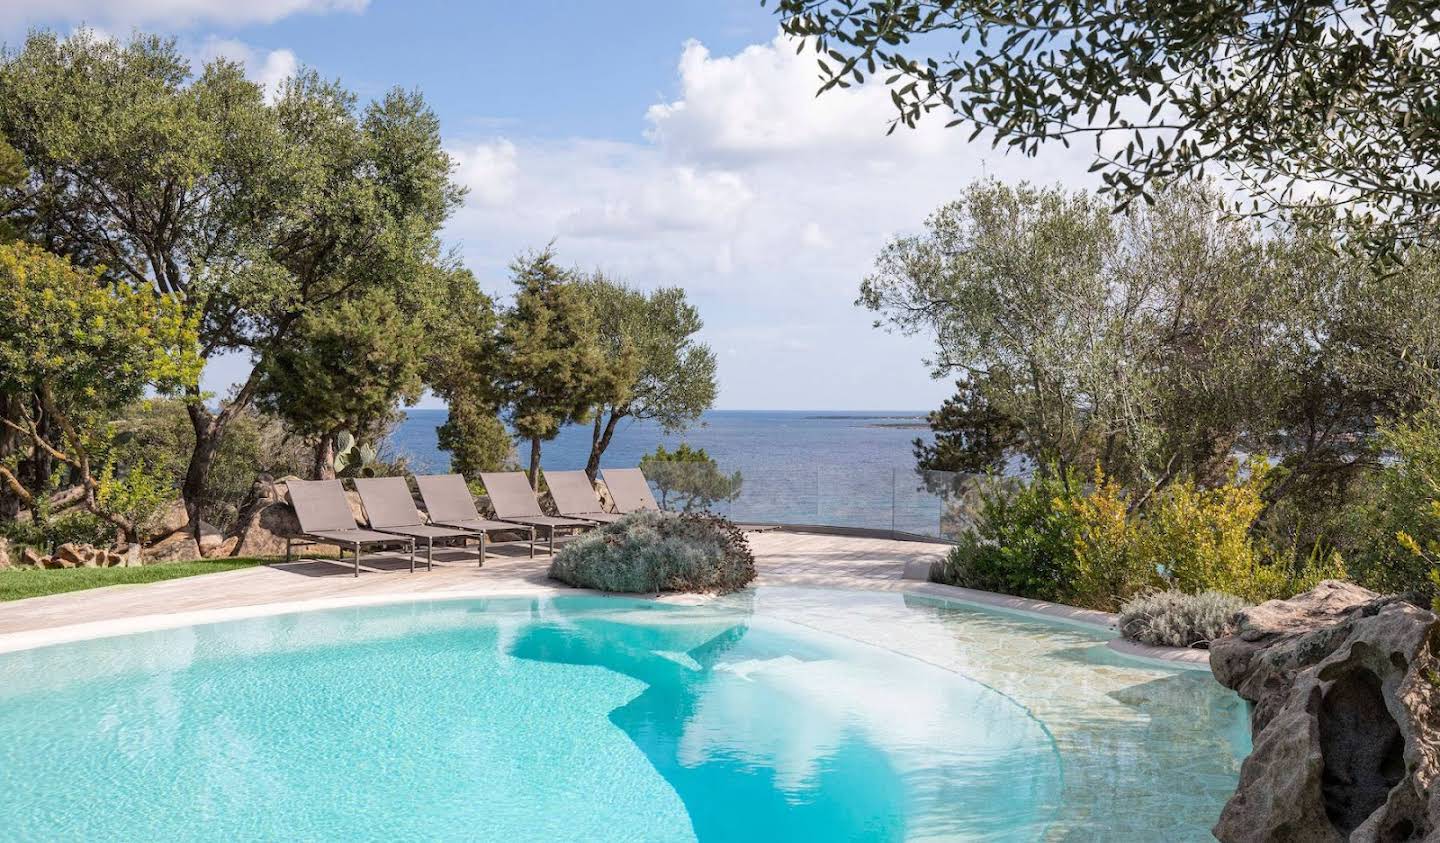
782, 558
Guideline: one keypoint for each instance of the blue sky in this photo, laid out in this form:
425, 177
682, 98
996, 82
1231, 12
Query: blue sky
674, 142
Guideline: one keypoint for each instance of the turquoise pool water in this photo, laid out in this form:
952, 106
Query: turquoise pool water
782, 714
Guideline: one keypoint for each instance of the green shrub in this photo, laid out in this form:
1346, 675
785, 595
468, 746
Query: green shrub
1177, 619
76, 524
653, 552
1400, 523
139, 495
1022, 543
1051, 540
157, 434
1202, 539
79, 526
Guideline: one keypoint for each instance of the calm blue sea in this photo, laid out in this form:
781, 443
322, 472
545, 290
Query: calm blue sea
853, 469
737, 439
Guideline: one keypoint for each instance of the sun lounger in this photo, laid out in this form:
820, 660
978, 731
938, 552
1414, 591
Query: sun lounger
513, 500
574, 497
448, 501
390, 508
629, 490
325, 518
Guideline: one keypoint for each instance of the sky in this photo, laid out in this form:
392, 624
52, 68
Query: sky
664, 142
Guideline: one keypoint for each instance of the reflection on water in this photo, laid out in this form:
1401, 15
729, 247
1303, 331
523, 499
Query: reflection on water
770, 732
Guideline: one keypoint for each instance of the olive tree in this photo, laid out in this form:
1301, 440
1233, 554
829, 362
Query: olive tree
1306, 105
1158, 342
1083, 337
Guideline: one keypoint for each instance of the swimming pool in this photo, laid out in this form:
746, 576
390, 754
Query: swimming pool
774, 714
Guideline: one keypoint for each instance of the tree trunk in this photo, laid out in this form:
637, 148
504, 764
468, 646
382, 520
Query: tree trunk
209, 432
210, 429
534, 462
599, 441
36, 468
324, 468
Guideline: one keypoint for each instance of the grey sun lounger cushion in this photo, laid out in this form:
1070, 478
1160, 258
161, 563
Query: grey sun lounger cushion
321, 505
629, 489
514, 500
450, 505
390, 508
448, 501
575, 497
355, 534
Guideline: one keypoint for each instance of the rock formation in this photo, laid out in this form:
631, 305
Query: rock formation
265, 520
72, 555
223, 549
209, 538
179, 546
1346, 720
168, 520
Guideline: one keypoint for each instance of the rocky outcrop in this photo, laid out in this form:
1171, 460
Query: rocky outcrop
209, 538
71, 555
223, 549
4, 553
602, 491
357, 509
169, 519
1346, 719
265, 520
179, 546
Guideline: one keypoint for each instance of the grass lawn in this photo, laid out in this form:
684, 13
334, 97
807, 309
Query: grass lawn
18, 583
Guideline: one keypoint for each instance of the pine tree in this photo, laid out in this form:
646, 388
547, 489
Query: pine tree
553, 369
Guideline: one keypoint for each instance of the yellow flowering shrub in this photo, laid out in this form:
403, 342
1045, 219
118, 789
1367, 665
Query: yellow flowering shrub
1186, 538
1108, 566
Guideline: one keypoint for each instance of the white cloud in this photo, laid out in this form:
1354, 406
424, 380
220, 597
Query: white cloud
813, 235
278, 66
489, 170
671, 199
17, 13
761, 104
767, 203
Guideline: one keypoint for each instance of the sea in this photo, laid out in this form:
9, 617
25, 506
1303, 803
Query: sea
837, 468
